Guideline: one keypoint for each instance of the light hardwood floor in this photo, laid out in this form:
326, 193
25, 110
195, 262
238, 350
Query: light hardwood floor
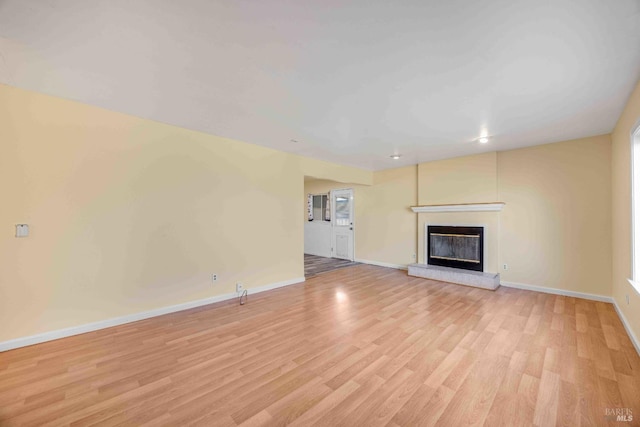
359, 346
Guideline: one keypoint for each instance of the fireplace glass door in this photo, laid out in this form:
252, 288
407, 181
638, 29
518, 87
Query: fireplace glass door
456, 247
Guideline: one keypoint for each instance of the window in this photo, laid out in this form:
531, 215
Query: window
320, 207
342, 211
635, 207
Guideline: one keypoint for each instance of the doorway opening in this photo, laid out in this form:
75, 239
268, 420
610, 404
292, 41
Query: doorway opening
329, 228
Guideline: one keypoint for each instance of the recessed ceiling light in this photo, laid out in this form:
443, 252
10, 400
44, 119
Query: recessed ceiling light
483, 139
395, 156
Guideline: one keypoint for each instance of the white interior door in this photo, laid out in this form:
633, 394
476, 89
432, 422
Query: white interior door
342, 223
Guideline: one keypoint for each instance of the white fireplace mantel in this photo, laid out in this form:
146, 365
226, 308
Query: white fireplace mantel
461, 207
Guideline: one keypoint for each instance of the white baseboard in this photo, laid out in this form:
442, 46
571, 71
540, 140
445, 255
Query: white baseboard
383, 264
276, 285
625, 323
107, 323
555, 291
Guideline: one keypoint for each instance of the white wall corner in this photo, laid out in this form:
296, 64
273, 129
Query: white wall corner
627, 327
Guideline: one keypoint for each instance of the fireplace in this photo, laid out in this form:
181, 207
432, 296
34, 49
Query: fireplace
455, 246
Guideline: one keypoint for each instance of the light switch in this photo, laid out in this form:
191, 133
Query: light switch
22, 230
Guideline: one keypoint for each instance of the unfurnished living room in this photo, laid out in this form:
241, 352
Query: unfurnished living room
357, 213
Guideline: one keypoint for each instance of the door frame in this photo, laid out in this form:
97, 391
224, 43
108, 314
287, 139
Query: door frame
353, 222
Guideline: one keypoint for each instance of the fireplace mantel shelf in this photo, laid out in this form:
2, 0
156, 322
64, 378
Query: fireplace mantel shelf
460, 207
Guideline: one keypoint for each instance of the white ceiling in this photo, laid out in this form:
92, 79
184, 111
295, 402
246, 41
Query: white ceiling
352, 81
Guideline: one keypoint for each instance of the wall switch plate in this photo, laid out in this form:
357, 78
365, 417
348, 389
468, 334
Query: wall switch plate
239, 287
22, 230
505, 266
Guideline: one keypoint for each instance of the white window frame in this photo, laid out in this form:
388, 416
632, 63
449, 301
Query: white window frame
322, 206
635, 208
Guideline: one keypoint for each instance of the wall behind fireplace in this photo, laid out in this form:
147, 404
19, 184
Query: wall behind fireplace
469, 179
555, 228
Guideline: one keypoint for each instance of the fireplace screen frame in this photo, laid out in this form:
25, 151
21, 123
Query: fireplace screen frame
455, 229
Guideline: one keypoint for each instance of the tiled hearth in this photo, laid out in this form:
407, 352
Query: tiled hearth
477, 279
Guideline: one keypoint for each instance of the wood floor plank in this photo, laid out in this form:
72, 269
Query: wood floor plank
430, 414
344, 408
326, 405
547, 401
410, 412
468, 407
568, 414
359, 345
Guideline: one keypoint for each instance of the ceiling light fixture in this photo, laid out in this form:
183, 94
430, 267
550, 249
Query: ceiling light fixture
395, 156
483, 139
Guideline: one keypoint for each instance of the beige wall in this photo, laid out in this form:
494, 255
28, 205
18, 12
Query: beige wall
385, 226
321, 170
621, 204
129, 215
468, 179
556, 224
554, 229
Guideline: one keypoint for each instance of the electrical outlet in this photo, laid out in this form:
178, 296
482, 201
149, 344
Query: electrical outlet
413, 256
214, 277
627, 295
239, 287
505, 266
22, 230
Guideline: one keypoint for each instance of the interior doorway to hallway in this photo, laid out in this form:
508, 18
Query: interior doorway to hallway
329, 226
